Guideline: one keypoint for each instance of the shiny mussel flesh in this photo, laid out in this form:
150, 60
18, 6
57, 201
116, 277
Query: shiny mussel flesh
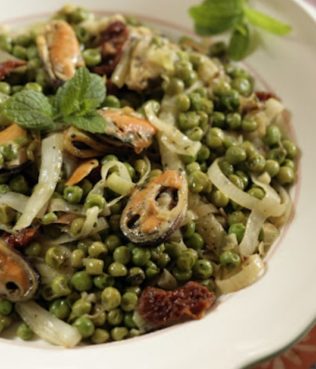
18, 281
156, 210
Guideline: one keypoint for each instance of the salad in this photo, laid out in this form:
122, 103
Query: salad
140, 178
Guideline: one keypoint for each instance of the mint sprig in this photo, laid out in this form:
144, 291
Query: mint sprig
75, 103
213, 17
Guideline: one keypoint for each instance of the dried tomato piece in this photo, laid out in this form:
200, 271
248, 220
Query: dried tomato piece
112, 41
8, 66
21, 238
159, 308
264, 96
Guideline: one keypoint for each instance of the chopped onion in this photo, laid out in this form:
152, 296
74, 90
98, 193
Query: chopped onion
249, 242
251, 271
14, 200
120, 73
47, 326
46, 272
171, 137
58, 204
51, 163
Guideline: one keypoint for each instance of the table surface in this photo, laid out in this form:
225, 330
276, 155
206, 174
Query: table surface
303, 354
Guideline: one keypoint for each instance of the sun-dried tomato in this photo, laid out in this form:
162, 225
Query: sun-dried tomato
21, 238
8, 66
264, 96
112, 41
159, 308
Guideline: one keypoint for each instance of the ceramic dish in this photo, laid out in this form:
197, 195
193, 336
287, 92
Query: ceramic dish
267, 317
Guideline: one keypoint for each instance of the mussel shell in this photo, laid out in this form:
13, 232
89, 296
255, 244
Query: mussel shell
156, 210
18, 281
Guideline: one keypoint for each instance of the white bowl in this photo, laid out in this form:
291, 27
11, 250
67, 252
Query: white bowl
266, 317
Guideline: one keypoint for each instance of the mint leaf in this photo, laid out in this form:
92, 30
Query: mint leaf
239, 42
266, 22
30, 109
92, 122
216, 16
81, 94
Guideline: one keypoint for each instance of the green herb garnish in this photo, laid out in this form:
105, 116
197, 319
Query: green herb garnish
75, 103
213, 17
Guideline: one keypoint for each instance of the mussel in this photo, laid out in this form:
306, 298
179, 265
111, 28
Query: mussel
156, 210
18, 281
59, 50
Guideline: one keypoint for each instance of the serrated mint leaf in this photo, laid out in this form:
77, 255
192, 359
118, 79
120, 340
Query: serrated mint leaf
266, 22
239, 42
80, 95
215, 16
30, 109
92, 122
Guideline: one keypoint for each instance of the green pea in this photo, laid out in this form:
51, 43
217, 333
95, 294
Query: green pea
183, 102
49, 218
92, 57
188, 120
82, 34
229, 141
5, 307
152, 270
188, 230
226, 167
203, 269
197, 181
256, 163
249, 124
195, 241
19, 184
203, 154
273, 135
76, 226
140, 166
24, 332
238, 229
218, 119
122, 255
243, 176
81, 307
60, 308
112, 101
5, 322
229, 258
199, 103
117, 269
19, 52
257, 192
290, 148
174, 86
93, 266
249, 148
239, 72
129, 301
104, 280
243, 86
34, 249
60, 286
85, 326
77, 257
272, 167
219, 199
115, 317
289, 163
100, 336
278, 154
182, 275
5, 88
129, 320
193, 167
119, 333
32, 54
236, 217
33, 86
97, 249
112, 241
56, 257
209, 284
81, 281
235, 155
111, 298
155, 173
195, 134
229, 102
214, 141
140, 256
95, 200
73, 194
237, 181
5, 43
233, 120
136, 276
79, 15
286, 175
4, 188
186, 260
